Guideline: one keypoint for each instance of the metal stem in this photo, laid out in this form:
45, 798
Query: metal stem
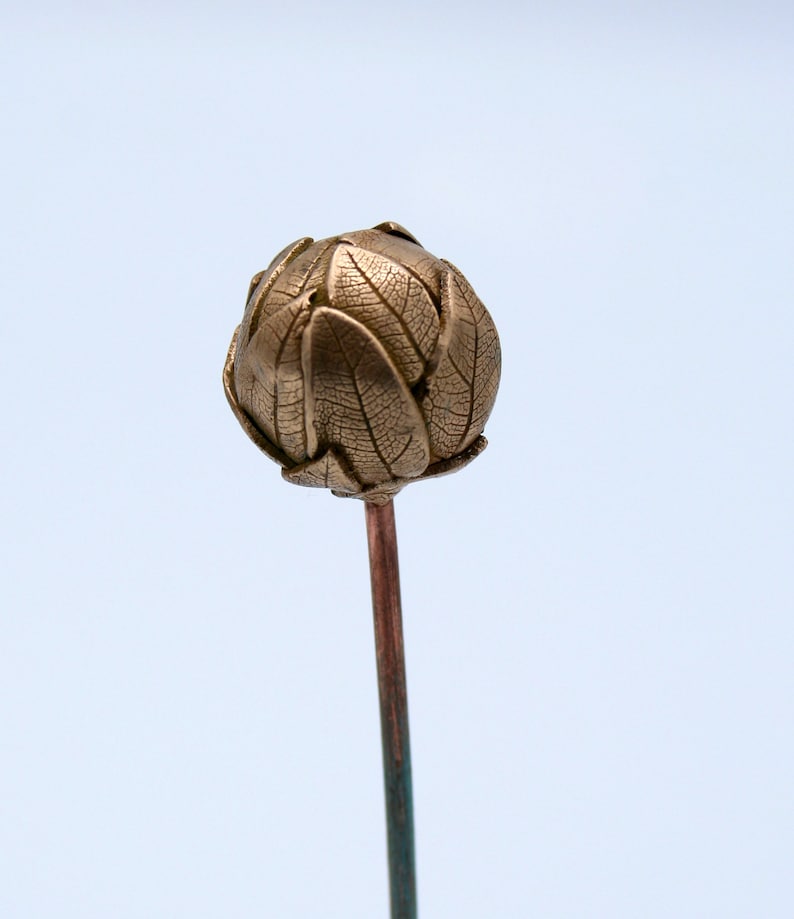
390, 653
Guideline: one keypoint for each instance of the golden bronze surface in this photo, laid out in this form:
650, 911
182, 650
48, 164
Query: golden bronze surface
363, 363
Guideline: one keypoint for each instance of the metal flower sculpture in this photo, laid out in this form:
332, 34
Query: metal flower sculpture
363, 363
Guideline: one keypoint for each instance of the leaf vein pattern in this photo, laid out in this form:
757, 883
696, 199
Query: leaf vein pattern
364, 414
279, 355
397, 316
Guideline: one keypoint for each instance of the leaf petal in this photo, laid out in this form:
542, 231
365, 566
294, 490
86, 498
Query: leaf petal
306, 272
390, 302
395, 229
242, 416
424, 266
269, 378
357, 401
461, 389
327, 471
261, 283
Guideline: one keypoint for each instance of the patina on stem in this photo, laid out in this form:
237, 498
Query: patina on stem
390, 653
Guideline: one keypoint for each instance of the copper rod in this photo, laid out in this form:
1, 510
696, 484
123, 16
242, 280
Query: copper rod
390, 655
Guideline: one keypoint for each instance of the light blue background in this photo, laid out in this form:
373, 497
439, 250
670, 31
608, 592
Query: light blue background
599, 611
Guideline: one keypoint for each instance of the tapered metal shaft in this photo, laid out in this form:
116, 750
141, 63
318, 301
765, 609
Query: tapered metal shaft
389, 649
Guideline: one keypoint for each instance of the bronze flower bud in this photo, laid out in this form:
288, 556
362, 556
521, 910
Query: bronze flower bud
363, 363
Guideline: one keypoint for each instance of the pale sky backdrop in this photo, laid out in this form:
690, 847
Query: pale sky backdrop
599, 611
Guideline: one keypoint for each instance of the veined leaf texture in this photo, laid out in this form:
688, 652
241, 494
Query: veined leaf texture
364, 363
